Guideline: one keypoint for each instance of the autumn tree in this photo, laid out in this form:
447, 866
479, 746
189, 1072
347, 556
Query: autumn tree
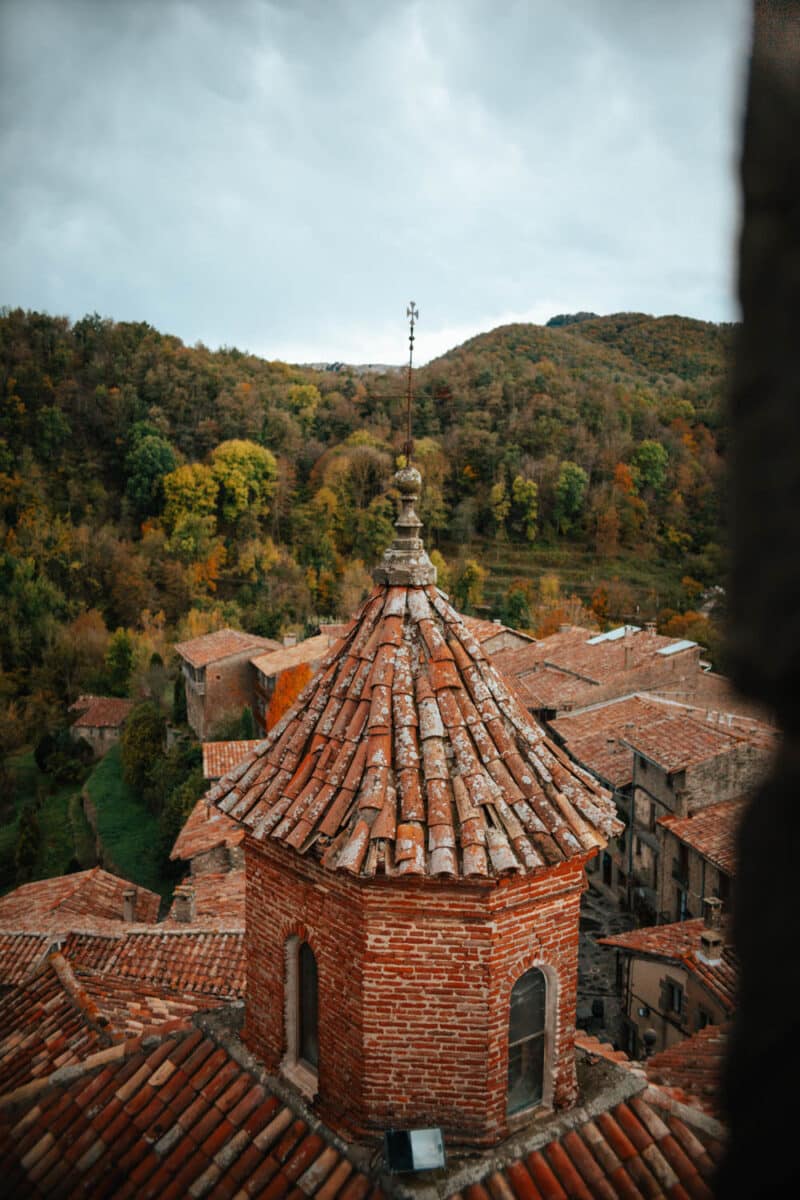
189, 490
468, 585
500, 507
288, 687
246, 474
525, 509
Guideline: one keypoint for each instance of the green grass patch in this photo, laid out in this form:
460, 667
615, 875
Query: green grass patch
57, 851
82, 834
128, 831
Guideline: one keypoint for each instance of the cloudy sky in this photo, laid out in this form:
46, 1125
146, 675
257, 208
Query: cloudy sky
284, 175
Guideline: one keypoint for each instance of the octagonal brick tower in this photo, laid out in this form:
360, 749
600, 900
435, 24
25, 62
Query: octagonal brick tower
415, 853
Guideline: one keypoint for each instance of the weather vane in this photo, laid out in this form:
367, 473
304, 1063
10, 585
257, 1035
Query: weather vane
412, 312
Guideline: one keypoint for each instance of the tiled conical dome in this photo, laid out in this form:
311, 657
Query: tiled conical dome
409, 754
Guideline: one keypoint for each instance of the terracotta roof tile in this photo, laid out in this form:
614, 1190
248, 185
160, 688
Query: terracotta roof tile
636, 1148
147, 1142
20, 954
224, 643
680, 943
605, 736
711, 832
205, 829
410, 685
221, 757
691, 1070
181, 959
90, 900
590, 658
104, 712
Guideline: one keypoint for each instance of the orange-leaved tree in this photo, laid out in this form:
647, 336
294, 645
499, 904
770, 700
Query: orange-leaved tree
288, 687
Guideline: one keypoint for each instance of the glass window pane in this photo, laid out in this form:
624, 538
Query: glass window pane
527, 1006
525, 1073
308, 1043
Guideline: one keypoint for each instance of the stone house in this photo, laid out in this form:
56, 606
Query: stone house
100, 721
698, 858
675, 979
660, 759
681, 766
218, 676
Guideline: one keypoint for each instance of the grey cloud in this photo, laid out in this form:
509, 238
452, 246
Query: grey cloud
284, 175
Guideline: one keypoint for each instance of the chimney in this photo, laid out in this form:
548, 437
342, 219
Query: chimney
710, 947
290, 639
650, 626
564, 627
712, 912
183, 903
129, 904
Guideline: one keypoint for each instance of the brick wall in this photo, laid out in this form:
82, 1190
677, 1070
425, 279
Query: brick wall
414, 985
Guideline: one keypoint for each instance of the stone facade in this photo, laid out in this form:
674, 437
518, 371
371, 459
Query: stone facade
415, 978
217, 691
685, 879
666, 999
658, 792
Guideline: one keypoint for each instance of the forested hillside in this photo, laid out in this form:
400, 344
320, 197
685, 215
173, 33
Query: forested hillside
149, 490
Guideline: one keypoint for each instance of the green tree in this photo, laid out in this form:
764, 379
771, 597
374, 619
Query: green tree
53, 433
650, 460
179, 713
177, 808
119, 662
142, 744
247, 729
570, 495
146, 465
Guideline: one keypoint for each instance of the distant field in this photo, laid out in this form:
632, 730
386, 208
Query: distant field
654, 584
128, 832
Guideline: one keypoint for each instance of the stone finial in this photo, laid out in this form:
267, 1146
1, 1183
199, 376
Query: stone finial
406, 563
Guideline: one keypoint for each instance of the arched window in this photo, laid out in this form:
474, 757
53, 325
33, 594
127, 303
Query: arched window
301, 1061
526, 1041
307, 1036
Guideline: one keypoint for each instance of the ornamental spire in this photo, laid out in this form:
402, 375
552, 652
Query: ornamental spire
406, 562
